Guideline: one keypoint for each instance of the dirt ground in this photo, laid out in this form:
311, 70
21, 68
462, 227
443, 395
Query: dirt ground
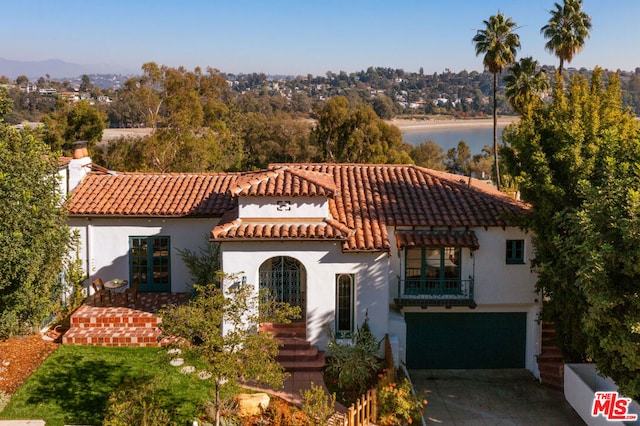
19, 357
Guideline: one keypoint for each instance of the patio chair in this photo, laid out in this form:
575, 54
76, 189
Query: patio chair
131, 293
99, 292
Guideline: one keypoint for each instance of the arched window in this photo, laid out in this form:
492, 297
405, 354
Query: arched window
285, 279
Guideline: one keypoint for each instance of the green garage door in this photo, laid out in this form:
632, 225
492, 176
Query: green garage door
472, 340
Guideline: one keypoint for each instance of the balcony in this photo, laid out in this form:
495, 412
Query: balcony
435, 292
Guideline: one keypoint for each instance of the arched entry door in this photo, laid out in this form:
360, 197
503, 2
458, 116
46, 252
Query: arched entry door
285, 279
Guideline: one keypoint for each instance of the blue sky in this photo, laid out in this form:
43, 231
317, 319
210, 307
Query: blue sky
299, 36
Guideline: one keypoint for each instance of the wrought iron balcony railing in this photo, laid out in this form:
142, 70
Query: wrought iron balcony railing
435, 292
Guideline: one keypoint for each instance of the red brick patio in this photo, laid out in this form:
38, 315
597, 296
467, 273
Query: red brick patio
116, 324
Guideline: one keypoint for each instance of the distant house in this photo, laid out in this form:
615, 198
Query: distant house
432, 259
48, 91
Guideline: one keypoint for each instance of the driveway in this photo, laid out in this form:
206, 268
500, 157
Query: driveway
490, 397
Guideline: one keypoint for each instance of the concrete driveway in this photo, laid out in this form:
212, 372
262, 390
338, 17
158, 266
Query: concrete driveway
490, 397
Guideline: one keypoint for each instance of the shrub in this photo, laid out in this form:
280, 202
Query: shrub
396, 403
318, 406
353, 364
135, 402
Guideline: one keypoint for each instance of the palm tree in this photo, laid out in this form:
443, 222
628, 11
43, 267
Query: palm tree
524, 83
567, 30
498, 43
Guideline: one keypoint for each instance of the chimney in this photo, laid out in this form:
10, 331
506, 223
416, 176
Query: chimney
80, 150
79, 166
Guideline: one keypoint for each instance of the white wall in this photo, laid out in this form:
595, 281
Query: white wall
267, 207
495, 282
105, 244
322, 261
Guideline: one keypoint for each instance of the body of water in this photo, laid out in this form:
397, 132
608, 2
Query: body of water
475, 137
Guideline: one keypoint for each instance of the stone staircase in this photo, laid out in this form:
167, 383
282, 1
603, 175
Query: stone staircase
296, 352
550, 361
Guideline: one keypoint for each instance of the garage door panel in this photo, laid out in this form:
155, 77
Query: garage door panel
473, 340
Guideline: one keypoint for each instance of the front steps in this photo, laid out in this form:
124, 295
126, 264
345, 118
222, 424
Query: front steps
112, 326
550, 361
296, 352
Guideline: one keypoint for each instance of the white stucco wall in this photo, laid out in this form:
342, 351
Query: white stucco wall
495, 282
322, 262
105, 244
290, 207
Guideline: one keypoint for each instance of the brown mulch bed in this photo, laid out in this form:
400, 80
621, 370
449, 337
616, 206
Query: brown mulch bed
19, 357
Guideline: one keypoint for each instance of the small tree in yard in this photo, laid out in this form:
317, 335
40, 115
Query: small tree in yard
34, 236
220, 328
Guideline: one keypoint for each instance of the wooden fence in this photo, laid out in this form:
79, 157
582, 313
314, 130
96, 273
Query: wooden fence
363, 411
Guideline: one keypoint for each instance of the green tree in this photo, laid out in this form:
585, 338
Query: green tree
384, 107
34, 236
190, 120
458, 159
498, 43
274, 139
567, 30
79, 121
428, 154
346, 133
606, 251
575, 162
221, 329
6, 103
22, 80
85, 83
524, 84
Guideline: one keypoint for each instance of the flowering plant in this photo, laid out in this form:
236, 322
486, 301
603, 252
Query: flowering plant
396, 403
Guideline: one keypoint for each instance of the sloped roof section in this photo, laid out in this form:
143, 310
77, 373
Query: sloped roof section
364, 200
239, 230
150, 194
285, 181
434, 239
406, 195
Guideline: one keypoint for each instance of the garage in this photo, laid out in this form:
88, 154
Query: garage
466, 340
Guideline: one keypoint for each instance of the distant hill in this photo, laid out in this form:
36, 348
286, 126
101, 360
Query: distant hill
56, 69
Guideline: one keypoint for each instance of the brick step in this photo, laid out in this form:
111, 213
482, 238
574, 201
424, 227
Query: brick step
550, 357
294, 329
112, 317
293, 343
551, 352
298, 354
112, 336
551, 369
316, 364
115, 322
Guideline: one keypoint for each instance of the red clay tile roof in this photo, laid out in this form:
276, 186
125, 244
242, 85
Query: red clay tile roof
285, 181
442, 238
236, 229
363, 200
141, 194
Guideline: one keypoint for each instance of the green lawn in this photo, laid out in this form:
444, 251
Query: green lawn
73, 385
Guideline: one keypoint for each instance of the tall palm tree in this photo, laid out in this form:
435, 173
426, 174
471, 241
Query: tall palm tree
524, 84
567, 30
499, 44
